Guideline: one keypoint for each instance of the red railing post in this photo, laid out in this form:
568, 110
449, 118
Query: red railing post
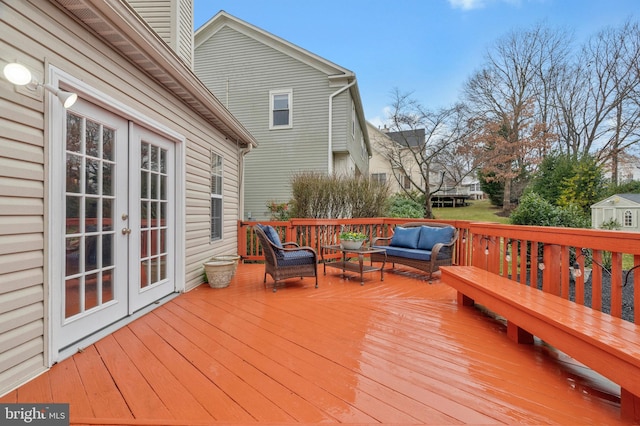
552, 269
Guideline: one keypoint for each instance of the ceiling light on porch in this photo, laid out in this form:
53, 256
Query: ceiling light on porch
20, 75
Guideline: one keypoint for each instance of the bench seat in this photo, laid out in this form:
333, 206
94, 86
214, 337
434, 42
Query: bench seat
606, 344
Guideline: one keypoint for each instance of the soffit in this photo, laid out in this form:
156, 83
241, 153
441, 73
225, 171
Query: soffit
121, 27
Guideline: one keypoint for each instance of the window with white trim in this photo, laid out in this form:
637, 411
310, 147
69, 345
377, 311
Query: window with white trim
353, 119
280, 109
379, 177
216, 196
628, 218
406, 182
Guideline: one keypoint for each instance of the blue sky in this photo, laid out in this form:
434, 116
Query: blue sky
428, 47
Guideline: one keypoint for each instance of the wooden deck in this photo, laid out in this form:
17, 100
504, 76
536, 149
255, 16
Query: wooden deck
397, 352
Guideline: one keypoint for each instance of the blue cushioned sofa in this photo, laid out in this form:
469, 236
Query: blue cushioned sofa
422, 245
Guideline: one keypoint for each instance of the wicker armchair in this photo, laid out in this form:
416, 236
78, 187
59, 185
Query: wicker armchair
285, 260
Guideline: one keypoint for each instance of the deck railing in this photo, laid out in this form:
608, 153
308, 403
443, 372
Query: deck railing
596, 268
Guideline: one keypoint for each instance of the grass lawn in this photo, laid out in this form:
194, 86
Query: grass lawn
478, 211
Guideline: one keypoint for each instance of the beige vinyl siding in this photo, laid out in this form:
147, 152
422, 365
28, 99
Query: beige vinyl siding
33, 31
241, 71
21, 231
172, 20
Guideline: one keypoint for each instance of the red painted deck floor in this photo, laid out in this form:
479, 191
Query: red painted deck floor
399, 351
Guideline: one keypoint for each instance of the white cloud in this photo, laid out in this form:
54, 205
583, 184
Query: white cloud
477, 4
467, 4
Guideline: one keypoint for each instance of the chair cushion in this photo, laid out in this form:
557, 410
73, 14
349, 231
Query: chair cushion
271, 234
405, 237
295, 258
430, 236
407, 252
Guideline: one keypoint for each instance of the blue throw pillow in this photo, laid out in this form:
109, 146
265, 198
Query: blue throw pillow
271, 234
430, 236
405, 237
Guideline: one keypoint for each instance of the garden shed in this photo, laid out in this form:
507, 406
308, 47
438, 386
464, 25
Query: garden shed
621, 208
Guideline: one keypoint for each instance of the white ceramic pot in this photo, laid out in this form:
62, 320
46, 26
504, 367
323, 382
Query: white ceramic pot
219, 272
351, 245
232, 257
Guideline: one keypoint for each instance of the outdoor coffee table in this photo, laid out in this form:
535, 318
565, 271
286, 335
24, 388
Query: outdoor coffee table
346, 265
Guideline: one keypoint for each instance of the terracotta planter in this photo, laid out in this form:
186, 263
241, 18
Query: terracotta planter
219, 272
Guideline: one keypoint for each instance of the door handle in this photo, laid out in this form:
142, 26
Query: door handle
126, 231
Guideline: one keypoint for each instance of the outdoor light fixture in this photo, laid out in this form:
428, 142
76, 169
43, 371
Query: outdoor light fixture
20, 75
17, 74
67, 98
575, 271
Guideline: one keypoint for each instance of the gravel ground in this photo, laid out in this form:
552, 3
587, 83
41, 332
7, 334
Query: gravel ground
627, 293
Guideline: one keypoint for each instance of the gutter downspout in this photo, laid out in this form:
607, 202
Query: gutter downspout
243, 153
330, 152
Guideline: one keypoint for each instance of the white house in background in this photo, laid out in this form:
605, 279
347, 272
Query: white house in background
623, 208
111, 206
304, 110
380, 169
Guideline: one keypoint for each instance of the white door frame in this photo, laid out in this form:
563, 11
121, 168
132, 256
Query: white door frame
55, 130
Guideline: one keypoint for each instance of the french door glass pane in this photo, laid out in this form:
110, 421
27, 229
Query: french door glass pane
153, 196
89, 232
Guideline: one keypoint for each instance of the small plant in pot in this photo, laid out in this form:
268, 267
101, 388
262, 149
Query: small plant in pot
352, 240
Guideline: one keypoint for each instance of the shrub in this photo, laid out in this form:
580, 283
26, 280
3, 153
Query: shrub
320, 196
632, 187
535, 210
401, 205
554, 169
584, 187
279, 211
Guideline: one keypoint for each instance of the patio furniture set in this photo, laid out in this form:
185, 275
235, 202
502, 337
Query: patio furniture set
422, 246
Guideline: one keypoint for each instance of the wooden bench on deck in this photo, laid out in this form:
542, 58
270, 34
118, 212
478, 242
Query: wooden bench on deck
606, 344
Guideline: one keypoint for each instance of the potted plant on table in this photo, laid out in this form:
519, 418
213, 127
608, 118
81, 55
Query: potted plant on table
352, 240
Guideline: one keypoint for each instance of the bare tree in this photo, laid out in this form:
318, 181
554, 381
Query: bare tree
513, 91
597, 97
425, 147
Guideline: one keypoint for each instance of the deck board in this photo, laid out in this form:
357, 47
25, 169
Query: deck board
396, 352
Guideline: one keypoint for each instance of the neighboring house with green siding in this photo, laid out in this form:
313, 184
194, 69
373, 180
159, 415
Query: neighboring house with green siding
304, 111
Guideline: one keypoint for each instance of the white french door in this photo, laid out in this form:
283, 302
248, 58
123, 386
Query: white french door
152, 162
115, 224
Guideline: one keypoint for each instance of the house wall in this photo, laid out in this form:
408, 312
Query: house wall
38, 33
241, 71
344, 141
378, 162
172, 20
